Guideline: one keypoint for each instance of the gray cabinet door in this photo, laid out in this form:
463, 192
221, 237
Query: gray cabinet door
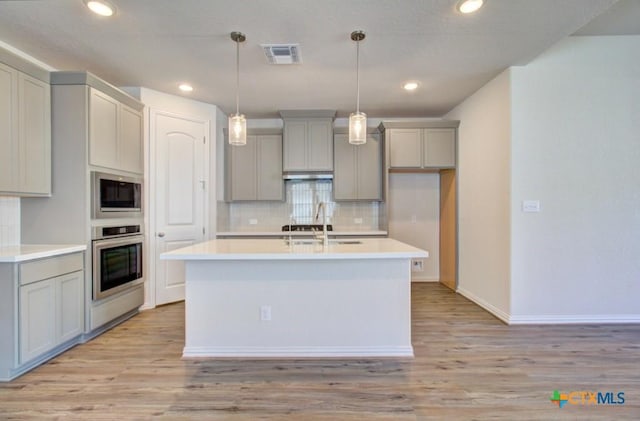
344, 175
243, 170
295, 148
358, 169
37, 319
9, 150
320, 145
34, 98
369, 165
439, 149
103, 130
69, 306
270, 185
256, 169
308, 145
25, 134
405, 148
130, 140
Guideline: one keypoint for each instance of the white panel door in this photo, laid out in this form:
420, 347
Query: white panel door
179, 196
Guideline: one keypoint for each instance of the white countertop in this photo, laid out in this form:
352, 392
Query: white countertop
298, 233
279, 249
25, 252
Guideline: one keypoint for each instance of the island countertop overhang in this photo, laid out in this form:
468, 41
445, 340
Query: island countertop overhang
278, 249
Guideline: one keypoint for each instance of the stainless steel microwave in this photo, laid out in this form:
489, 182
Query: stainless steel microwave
116, 196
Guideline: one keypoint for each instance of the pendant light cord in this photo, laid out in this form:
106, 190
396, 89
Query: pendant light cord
358, 77
237, 77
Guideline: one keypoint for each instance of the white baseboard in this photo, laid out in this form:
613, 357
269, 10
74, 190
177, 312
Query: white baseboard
297, 352
425, 280
505, 317
550, 318
575, 319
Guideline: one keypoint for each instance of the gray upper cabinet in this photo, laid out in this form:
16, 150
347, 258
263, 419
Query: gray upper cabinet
405, 147
8, 128
439, 148
34, 105
254, 170
308, 140
114, 119
358, 169
25, 129
421, 147
115, 134
103, 130
130, 140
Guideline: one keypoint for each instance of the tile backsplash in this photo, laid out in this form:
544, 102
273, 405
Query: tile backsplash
9, 221
299, 208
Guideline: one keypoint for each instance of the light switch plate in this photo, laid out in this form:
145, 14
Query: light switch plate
530, 206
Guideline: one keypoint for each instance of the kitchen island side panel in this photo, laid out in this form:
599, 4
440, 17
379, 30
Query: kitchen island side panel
328, 308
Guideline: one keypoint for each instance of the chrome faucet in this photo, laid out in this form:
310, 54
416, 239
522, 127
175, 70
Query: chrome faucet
325, 236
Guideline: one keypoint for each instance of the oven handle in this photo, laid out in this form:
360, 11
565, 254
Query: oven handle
120, 241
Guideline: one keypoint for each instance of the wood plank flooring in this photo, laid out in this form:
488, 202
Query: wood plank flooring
468, 365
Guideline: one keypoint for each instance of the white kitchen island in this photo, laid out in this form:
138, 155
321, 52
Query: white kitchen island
272, 298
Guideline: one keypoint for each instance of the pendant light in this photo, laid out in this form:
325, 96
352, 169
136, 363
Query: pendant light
357, 120
237, 122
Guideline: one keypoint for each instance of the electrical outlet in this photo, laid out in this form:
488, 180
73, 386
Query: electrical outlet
414, 219
265, 313
530, 206
357, 221
416, 265
253, 221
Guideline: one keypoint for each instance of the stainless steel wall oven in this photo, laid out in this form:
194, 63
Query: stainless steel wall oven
117, 259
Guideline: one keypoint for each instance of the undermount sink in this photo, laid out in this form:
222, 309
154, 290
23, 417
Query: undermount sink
319, 242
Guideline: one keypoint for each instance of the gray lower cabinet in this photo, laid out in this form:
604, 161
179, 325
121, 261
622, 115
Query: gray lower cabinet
25, 133
42, 311
422, 147
357, 169
255, 169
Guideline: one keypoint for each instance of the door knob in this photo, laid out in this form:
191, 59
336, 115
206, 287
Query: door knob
161, 234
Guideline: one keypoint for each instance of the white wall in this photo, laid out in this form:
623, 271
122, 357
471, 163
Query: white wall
483, 176
576, 148
414, 217
562, 130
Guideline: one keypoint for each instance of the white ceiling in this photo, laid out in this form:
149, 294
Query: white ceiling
159, 43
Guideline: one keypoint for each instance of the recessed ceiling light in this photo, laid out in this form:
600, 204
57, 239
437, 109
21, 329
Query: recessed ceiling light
185, 87
410, 86
100, 7
469, 6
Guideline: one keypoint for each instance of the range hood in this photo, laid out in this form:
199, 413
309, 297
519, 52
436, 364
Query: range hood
297, 175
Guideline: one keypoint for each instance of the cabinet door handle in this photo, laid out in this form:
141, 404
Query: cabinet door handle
161, 234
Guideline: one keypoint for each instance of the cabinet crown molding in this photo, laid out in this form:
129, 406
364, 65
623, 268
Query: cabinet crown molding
21, 64
418, 124
89, 79
307, 113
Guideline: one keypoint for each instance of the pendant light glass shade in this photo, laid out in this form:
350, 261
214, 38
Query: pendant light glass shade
237, 121
358, 128
357, 120
237, 130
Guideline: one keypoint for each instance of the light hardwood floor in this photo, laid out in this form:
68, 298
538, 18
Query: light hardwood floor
468, 365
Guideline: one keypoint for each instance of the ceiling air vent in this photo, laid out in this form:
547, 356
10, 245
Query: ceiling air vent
282, 53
